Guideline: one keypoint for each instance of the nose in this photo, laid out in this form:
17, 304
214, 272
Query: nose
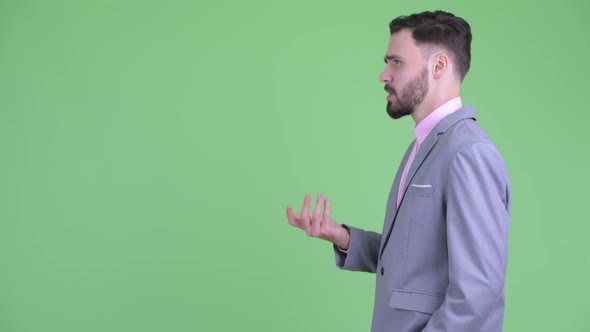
385, 76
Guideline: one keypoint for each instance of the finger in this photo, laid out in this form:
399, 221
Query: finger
316, 218
327, 211
325, 220
291, 216
304, 218
318, 206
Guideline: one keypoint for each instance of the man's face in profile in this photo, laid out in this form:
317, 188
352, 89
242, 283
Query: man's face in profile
405, 75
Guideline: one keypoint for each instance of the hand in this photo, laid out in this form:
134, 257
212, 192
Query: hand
319, 226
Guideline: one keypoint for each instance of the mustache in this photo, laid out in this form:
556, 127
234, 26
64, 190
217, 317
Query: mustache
390, 90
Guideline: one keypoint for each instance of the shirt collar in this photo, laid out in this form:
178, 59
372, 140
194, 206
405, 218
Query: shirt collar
422, 129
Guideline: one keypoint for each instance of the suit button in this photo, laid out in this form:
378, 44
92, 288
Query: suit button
382, 270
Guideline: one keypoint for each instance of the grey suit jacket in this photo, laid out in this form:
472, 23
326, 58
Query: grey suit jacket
440, 261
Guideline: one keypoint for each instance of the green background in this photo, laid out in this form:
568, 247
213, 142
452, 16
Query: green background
149, 151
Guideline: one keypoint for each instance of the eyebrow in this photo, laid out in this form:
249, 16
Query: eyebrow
392, 57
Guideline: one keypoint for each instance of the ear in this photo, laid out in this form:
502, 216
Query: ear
441, 65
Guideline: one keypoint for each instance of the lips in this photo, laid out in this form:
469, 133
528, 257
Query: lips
389, 90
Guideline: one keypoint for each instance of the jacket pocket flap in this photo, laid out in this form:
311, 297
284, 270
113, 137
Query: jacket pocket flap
414, 301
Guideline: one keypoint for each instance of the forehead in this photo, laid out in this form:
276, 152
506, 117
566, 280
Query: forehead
403, 44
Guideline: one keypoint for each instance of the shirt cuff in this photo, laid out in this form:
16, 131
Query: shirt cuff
348, 230
341, 250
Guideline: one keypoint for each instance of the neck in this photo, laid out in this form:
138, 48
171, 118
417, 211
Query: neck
433, 102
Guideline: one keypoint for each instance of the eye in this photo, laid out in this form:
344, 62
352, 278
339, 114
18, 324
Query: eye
393, 61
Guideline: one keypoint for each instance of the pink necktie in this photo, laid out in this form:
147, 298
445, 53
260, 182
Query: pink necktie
406, 170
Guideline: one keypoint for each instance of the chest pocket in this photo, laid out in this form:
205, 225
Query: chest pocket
420, 190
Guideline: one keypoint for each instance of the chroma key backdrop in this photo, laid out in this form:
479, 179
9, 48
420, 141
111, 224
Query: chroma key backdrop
149, 149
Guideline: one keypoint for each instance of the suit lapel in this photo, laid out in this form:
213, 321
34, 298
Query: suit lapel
391, 209
432, 138
423, 151
400, 171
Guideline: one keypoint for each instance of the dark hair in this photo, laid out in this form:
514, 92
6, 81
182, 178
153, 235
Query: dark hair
442, 29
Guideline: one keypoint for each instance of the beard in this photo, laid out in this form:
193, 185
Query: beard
411, 96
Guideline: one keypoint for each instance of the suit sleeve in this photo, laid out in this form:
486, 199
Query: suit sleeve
478, 218
363, 251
